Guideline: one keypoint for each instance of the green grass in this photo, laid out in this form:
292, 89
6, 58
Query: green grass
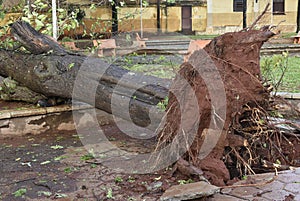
271, 66
291, 78
288, 35
161, 71
203, 37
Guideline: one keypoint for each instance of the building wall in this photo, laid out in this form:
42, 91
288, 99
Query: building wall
130, 18
221, 19
199, 20
171, 19
215, 17
224, 19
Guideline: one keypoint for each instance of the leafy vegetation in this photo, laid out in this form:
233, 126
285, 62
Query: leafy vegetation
20, 192
185, 181
87, 157
282, 72
109, 194
118, 179
162, 105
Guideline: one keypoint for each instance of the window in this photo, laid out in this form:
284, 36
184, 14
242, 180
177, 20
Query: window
237, 5
278, 7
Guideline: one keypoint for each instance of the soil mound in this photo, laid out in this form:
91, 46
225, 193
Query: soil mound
213, 87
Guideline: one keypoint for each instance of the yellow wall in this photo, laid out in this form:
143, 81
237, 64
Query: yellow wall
199, 18
130, 18
171, 19
99, 12
224, 17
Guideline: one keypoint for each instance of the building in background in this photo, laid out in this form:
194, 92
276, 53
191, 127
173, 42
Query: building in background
184, 16
202, 16
228, 15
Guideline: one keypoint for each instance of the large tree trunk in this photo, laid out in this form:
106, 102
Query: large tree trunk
52, 71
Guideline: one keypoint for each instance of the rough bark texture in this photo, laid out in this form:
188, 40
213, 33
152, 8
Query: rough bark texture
52, 71
34, 41
236, 57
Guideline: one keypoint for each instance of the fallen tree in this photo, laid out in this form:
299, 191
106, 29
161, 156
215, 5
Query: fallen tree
50, 70
216, 94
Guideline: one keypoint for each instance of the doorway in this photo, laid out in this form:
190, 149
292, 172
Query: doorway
186, 19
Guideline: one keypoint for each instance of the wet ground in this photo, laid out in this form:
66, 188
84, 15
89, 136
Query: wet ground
57, 166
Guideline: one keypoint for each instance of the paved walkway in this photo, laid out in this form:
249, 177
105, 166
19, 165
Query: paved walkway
284, 186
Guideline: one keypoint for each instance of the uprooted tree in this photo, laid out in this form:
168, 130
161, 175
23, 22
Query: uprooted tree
228, 125
216, 99
221, 93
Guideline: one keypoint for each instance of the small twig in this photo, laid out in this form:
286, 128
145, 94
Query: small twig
19, 181
259, 194
281, 76
235, 196
42, 185
244, 162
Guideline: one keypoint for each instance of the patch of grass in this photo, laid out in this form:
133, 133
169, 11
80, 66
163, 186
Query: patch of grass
288, 35
68, 169
87, 157
158, 70
290, 81
203, 37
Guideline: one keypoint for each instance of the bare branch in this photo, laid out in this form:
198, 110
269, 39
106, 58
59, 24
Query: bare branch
260, 16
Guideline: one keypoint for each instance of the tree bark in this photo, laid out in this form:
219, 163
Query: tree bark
52, 71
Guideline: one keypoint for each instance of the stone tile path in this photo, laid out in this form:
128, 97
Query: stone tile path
285, 186
268, 186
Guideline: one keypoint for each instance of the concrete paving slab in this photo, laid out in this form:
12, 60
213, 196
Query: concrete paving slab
189, 191
293, 187
264, 187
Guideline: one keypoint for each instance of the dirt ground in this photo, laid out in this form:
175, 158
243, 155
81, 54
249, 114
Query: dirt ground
56, 166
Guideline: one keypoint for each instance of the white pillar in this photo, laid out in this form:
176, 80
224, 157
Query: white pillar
209, 26
256, 8
141, 12
54, 20
271, 2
